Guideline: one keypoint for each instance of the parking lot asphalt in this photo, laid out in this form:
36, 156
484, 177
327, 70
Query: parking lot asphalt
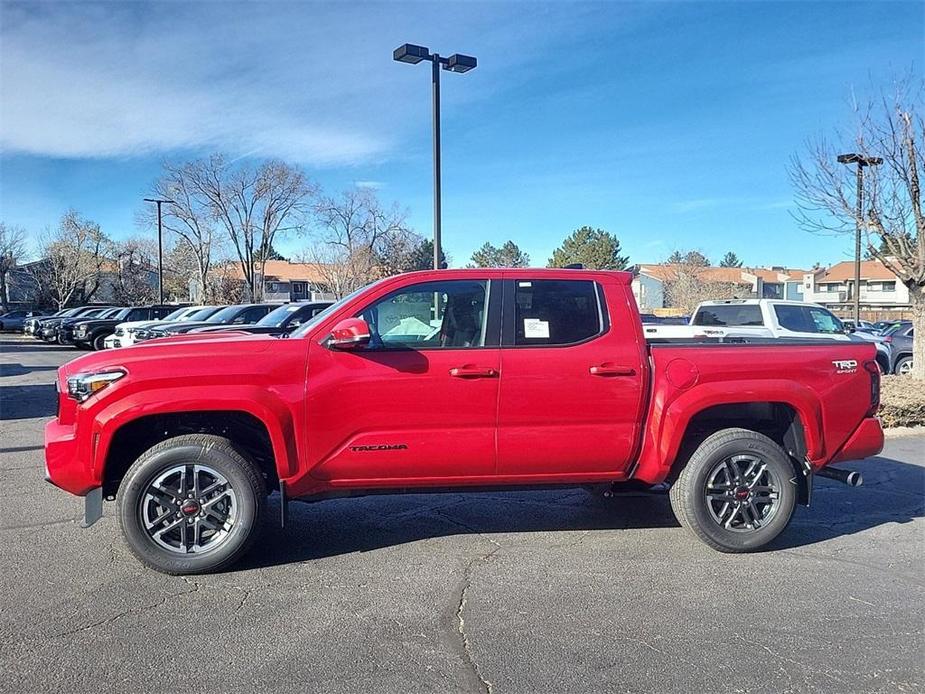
543, 591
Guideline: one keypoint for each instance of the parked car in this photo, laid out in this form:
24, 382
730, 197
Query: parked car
900, 339
33, 325
14, 320
91, 334
228, 317
765, 318
433, 380
146, 331
282, 320
48, 329
861, 326
65, 330
124, 333
887, 326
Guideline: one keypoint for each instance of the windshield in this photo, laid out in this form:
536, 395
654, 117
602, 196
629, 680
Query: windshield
95, 313
202, 313
117, 313
278, 316
179, 313
318, 317
225, 315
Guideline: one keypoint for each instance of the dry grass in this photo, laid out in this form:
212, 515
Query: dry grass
902, 401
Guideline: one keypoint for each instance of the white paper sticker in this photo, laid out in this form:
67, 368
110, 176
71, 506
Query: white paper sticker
535, 328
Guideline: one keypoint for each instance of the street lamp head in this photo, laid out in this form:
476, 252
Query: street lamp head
859, 159
460, 63
409, 53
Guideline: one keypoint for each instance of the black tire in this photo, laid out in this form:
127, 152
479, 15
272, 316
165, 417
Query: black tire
218, 454
99, 342
903, 364
699, 514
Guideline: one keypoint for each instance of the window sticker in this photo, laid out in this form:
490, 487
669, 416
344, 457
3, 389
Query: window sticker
535, 328
525, 284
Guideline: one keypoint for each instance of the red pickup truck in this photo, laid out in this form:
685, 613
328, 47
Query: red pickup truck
454, 379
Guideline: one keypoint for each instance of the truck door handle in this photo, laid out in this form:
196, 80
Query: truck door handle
473, 372
611, 370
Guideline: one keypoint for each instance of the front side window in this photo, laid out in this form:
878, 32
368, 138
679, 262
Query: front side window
555, 312
808, 319
430, 315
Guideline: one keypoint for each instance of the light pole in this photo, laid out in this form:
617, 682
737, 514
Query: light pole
160, 249
861, 161
409, 53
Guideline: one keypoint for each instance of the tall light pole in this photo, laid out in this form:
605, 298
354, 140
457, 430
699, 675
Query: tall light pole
861, 161
160, 249
409, 53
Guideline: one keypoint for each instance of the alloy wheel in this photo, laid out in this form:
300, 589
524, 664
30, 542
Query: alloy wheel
742, 493
188, 509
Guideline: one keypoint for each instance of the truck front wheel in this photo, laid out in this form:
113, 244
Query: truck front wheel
737, 492
191, 504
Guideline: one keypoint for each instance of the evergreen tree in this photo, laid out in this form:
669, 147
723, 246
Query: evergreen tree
595, 249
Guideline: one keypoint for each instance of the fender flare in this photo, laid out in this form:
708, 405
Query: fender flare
665, 434
258, 402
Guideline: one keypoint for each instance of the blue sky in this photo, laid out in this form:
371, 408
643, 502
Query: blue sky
668, 124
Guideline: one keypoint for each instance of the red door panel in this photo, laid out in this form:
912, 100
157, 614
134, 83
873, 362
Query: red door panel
569, 409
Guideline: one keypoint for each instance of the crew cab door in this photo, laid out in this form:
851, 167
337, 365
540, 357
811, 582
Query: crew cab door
420, 401
572, 375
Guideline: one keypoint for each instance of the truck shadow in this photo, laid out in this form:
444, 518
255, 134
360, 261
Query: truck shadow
893, 492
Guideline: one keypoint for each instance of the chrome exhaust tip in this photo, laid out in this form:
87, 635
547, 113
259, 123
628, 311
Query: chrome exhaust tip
850, 477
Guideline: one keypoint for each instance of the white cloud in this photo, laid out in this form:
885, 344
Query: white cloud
309, 82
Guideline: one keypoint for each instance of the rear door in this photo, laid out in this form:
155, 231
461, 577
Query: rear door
571, 379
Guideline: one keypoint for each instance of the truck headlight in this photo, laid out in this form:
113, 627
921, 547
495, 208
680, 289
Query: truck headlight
82, 386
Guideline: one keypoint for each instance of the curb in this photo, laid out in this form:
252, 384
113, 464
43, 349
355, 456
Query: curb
901, 432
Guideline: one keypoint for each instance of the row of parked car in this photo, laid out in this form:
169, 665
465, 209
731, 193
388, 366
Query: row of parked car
105, 327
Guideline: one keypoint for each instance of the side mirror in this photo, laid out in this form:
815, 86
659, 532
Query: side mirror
349, 334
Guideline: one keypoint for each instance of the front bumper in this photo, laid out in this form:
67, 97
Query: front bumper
866, 441
64, 467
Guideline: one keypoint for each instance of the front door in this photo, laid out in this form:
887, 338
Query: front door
571, 382
420, 402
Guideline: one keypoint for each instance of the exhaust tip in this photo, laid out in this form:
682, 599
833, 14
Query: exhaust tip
854, 479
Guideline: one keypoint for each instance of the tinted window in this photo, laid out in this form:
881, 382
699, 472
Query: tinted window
203, 313
729, 314
430, 315
808, 319
226, 315
252, 315
555, 312
278, 315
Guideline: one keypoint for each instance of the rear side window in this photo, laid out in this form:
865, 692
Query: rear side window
555, 312
729, 314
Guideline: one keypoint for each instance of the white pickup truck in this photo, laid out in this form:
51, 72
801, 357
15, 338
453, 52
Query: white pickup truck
755, 318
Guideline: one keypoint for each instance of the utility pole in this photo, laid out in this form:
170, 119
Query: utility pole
409, 53
861, 161
160, 249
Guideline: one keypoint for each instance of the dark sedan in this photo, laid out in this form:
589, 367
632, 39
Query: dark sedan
900, 339
280, 321
15, 320
48, 329
230, 316
92, 333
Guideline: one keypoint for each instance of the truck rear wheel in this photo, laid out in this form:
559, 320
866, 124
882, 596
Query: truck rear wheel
737, 492
191, 504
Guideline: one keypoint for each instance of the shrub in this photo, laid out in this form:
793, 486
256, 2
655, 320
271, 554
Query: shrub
902, 401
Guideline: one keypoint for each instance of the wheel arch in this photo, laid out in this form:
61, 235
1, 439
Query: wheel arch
788, 414
122, 442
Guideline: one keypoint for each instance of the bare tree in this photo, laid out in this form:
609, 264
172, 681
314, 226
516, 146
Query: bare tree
188, 216
12, 248
73, 257
893, 222
252, 204
689, 283
135, 259
358, 240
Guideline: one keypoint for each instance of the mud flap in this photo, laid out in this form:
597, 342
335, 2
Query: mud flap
93, 507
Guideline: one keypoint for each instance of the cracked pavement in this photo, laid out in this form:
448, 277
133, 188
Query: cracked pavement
485, 592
